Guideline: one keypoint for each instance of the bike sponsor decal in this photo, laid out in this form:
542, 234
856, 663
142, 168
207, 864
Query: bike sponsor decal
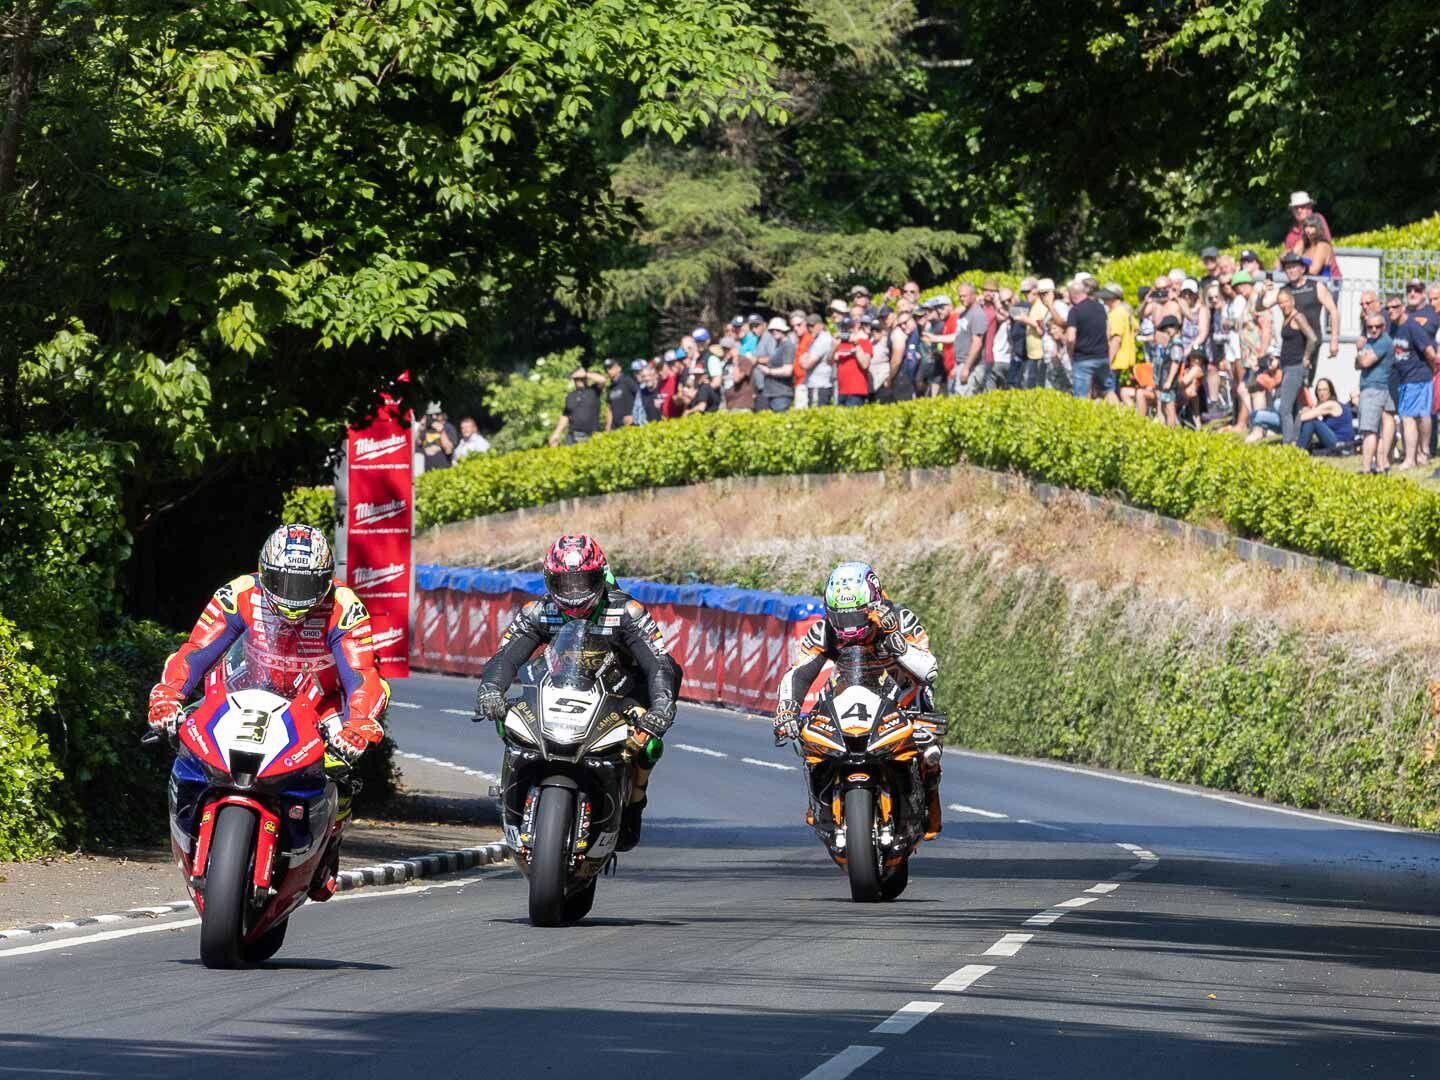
291, 760
368, 513
272, 828
367, 577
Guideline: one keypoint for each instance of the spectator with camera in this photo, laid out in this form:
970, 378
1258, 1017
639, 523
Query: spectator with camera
435, 442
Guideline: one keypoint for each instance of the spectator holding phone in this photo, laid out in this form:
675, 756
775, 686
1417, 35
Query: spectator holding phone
436, 440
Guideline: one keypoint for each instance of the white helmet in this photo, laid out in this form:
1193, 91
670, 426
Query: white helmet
296, 570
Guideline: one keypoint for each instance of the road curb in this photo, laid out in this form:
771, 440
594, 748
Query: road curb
435, 864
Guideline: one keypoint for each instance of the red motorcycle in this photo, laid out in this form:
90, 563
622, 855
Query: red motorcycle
253, 808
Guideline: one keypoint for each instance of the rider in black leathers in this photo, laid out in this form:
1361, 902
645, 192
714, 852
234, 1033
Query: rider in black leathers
580, 586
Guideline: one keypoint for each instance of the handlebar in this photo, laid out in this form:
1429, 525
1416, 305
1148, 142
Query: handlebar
151, 737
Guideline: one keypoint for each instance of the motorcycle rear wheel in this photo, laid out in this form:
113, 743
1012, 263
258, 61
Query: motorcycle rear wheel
862, 861
550, 856
227, 877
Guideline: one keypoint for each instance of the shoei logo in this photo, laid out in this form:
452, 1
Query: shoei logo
368, 513
368, 576
386, 638
370, 449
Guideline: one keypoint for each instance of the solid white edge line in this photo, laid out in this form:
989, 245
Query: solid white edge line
1104, 888
844, 1063
963, 978
698, 749
905, 1017
1008, 945
1215, 796
960, 808
92, 939
767, 764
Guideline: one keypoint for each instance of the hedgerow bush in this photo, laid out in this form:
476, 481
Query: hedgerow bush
314, 506
1278, 495
29, 824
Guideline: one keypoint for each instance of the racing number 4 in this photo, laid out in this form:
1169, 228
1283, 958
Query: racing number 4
857, 712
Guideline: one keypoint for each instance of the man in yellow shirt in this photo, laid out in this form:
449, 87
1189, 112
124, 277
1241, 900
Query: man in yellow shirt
1120, 330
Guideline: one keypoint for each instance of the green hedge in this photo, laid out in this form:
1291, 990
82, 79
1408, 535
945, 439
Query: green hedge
29, 823
313, 506
1035, 666
1278, 495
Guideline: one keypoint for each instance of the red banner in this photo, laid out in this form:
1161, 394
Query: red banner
378, 525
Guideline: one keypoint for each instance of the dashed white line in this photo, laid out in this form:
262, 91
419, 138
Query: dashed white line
906, 1017
1103, 888
481, 773
958, 981
698, 750
459, 712
1045, 918
1076, 902
768, 765
1008, 945
960, 809
844, 1063
1040, 825
404, 705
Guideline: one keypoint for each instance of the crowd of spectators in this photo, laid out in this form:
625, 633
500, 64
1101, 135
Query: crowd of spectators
438, 445
1238, 347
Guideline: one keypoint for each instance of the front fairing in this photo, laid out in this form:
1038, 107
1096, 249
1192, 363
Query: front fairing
305, 801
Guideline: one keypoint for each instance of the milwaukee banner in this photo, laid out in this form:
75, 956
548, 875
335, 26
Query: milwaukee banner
732, 644
378, 524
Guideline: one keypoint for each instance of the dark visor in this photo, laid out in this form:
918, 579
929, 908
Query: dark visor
577, 584
849, 620
295, 586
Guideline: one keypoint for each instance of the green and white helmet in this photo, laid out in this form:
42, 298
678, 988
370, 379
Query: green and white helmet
852, 589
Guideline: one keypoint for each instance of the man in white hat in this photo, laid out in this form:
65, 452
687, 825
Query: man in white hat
1301, 207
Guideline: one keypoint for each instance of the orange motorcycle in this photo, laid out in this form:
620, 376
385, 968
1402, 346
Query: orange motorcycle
863, 754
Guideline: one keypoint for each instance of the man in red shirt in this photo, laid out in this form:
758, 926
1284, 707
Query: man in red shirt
853, 350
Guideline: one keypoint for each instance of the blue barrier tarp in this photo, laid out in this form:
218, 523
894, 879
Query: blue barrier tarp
717, 597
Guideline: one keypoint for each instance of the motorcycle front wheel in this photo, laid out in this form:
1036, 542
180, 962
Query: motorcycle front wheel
550, 856
227, 877
862, 860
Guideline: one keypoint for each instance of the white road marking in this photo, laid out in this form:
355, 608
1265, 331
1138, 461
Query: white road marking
1008, 945
1040, 825
459, 712
960, 809
844, 1063
481, 773
93, 939
1045, 918
698, 750
962, 979
1103, 888
905, 1018
771, 765
1077, 902
1128, 847
404, 705
1142, 866
1214, 796
1128, 875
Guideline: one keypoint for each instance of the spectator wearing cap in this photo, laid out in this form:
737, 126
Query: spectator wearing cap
971, 374
1023, 367
1087, 340
1120, 330
860, 297
671, 376
1170, 356
1311, 300
1302, 207
1194, 317
777, 392
750, 339
620, 395
580, 418
1040, 320
1415, 365
819, 383
1210, 260
1375, 360
701, 337
851, 358
435, 440
989, 307
1417, 306
940, 335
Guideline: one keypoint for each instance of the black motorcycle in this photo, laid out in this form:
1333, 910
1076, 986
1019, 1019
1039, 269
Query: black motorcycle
566, 777
862, 754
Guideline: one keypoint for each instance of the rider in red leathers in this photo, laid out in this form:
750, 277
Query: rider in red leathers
299, 621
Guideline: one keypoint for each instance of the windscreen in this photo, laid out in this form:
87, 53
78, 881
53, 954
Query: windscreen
576, 657
256, 662
859, 666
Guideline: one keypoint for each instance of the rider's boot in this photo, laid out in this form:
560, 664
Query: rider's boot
326, 880
630, 817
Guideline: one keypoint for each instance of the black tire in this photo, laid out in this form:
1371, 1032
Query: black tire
265, 946
578, 905
227, 880
862, 861
550, 855
894, 885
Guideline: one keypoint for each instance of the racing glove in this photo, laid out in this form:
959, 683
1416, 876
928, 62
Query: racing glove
490, 704
165, 707
347, 745
787, 722
654, 723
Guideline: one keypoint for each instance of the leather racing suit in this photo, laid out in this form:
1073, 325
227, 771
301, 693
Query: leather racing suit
907, 658
331, 643
651, 675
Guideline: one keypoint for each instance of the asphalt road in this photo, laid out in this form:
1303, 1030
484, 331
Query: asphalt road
1238, 940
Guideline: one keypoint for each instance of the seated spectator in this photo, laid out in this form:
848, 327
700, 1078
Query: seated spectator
1328, 422
471, 441
1192, 386
1316, 249
1262, 392
1301, 207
